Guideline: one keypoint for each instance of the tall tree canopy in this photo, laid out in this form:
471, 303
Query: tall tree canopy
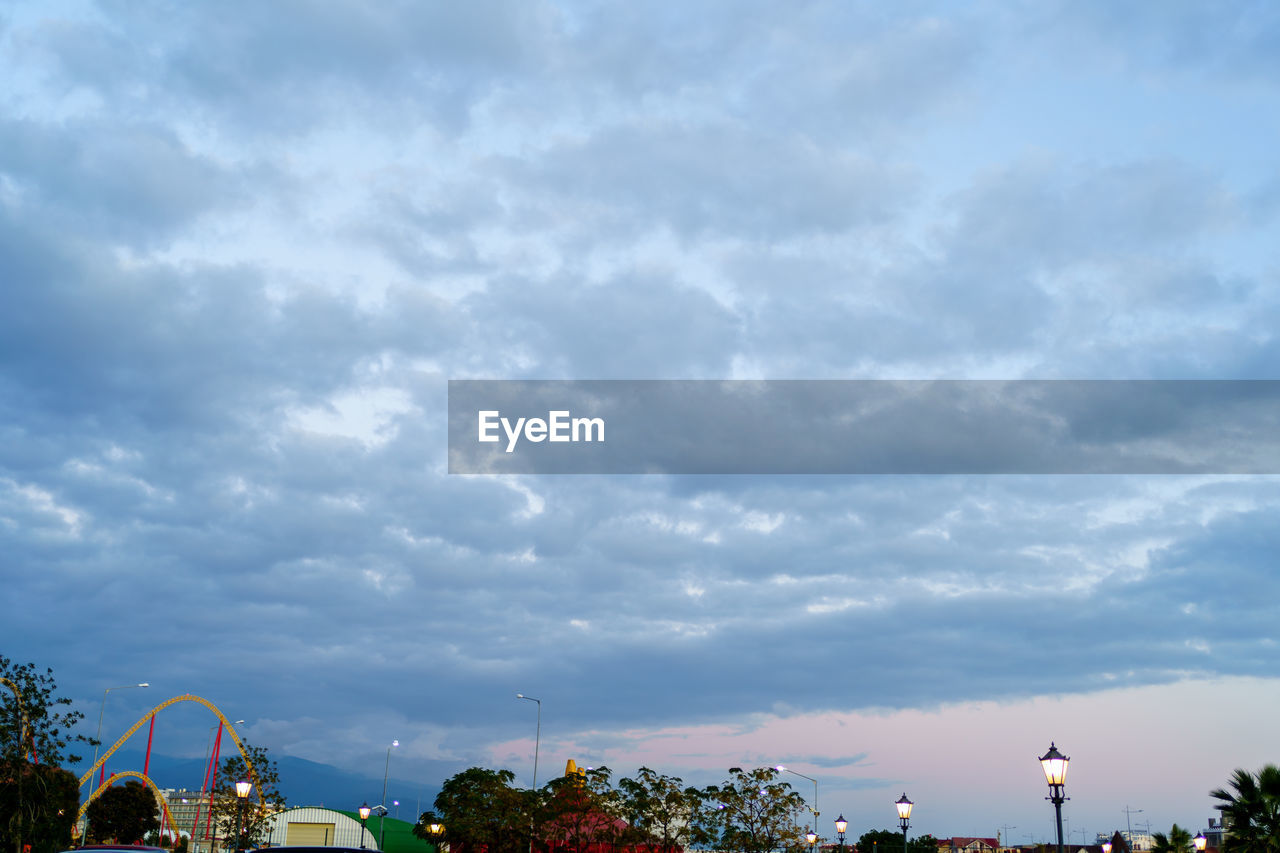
1177, 841
480, 808
38, 801
1251, 811
661, 810
253, 813
752, 812
123, 814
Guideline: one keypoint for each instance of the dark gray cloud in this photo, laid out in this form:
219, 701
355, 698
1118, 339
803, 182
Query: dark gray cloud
242, 250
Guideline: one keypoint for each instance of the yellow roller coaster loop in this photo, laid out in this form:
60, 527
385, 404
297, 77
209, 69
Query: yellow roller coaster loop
186, 697
22, 711
122, 774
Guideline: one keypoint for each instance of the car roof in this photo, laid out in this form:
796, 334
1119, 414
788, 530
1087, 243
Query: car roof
284, 848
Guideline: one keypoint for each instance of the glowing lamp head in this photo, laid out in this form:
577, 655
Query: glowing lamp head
904, 807
811, 836
243, 788
841, 824
1055, 766
1200, 842
364, 811
1106, 847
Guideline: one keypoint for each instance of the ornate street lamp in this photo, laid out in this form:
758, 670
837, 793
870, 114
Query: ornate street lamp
242, 796
1055, 773
841, 826
364, 816
812, 838
1106, 847
904, 817
1200, 842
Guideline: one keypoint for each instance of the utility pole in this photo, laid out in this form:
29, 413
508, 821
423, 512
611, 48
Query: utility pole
1128, 839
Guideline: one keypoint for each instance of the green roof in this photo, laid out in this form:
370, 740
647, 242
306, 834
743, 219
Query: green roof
397, 835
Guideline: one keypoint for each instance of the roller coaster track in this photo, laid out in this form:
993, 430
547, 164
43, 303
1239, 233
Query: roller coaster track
173, 826
186, 697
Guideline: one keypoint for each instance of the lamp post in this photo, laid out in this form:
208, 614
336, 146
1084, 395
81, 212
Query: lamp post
782, 769
1055, 773
436, 830
242, 796
104, 708
364, 817
382, 816
1106, 847
812, 838
904, 817
841, 826
537, 737
1200, 842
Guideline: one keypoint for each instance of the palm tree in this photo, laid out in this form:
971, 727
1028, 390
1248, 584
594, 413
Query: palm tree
1177, 841
1251, 812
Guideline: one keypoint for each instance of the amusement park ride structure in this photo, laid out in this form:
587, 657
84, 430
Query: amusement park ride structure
210, 770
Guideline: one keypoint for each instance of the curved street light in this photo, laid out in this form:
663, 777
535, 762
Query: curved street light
537, 737
103, 709
781, 769
382, 818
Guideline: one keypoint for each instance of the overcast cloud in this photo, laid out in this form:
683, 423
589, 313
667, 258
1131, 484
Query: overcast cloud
244, 246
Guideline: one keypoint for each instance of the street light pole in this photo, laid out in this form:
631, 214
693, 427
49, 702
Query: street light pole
102, 709
815, 788
841, 826
537, 737
1055, 773
382, 818
904, 817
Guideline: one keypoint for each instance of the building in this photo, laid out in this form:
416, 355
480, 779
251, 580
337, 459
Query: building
968, 844
316, 826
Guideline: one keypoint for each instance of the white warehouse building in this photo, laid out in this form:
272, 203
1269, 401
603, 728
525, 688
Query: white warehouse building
315, 826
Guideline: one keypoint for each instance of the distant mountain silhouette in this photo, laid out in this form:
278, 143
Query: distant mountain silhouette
303, 782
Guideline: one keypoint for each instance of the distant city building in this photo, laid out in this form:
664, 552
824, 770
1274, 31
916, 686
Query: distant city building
185, 806
967, 844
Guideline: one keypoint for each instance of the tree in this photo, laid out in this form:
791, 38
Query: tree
661, 811
38, 804
579, 811
923, 844
751, 812
1177, 841
481, 811
122, 814
881, 841
253, 813
1251, 811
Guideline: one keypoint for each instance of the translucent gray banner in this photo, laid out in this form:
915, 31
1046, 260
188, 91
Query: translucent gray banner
864, 427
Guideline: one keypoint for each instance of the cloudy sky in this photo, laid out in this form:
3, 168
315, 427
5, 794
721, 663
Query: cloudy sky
243, 248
